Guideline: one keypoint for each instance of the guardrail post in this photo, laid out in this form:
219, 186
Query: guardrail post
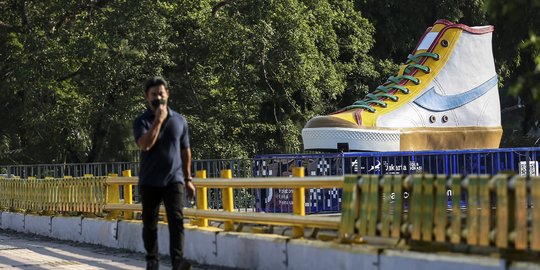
228, 199
521, 213
71, 195
299, 200
535, 223
349, 208
202, 199
128, 194
4, 191
113, 196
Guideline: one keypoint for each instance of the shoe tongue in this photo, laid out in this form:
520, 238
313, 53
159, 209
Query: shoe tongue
427, 40
430, 35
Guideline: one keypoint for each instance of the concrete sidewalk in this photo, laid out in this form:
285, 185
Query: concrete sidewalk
26, 251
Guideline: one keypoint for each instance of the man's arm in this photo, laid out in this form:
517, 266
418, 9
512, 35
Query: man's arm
148, 139
186, 169
186, 162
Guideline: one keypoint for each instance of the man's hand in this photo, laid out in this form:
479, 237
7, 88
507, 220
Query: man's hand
148, 139
161, 113
190, 188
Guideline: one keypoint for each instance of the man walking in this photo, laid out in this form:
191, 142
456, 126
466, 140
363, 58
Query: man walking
162, 135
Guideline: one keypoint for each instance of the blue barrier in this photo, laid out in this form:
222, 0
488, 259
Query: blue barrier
521, 161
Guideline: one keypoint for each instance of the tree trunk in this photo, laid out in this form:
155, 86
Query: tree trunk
99, 137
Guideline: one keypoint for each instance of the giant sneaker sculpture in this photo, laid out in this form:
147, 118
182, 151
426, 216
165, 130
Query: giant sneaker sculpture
444, 97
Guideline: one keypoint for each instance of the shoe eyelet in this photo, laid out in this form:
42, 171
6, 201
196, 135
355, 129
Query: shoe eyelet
437, 57
428, 70
444, 43
406, 91
418, 82
384, 105
432, 119
444, 118
372, 110
395, 99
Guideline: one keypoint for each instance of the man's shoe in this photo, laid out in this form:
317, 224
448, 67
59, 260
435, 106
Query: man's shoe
152, 265
182, 265
444, 97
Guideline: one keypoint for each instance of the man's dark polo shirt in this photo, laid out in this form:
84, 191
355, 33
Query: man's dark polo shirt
162, 164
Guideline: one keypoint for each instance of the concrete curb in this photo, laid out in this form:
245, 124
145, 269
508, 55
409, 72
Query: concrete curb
212, 246
130, 236
41, 225
200, 244
67, 228
342, 256
398, 259
251, 251
100, 231
13, 221
524, 266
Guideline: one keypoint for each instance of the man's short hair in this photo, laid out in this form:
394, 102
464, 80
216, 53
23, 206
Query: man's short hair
155, 81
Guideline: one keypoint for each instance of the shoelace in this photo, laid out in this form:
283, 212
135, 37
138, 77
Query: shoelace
383, 91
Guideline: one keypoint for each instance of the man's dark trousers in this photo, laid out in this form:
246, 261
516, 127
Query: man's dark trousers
173, 198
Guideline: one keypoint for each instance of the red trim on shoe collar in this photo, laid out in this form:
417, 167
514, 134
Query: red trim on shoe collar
443, 21
472, 30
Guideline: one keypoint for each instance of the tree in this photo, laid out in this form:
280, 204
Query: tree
73, 72
246, 74
517, 50
253, 72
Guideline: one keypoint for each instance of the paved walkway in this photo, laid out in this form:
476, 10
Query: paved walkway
30, 252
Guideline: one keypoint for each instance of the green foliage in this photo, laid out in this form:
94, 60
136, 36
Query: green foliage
253, 73
516, 49
400, 24
529, 81
246, 74
73, 71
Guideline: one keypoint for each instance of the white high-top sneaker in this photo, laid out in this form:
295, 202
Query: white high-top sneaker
444, 97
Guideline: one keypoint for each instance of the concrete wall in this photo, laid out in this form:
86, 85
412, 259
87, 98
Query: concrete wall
212, 246
67, 228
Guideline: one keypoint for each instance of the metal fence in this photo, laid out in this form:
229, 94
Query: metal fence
73, 169
521, 161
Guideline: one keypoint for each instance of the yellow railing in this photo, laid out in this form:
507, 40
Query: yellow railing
500, 211
201, 214
84, 194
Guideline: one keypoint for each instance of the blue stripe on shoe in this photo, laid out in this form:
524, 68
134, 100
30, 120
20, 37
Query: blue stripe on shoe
433, 101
